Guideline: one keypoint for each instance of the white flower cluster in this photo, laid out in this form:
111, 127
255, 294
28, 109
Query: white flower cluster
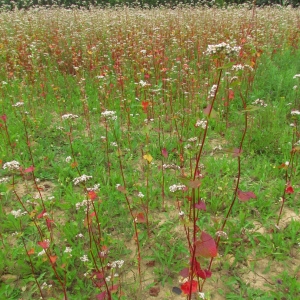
187, 146
84, 258
68, 250
212, 91
84, 203
223, 48
116, 264
293, 113
222, 234
18, 213
109, 115
69, 117
193, 139
171, 166
4, 180
237, 67
177, 187
18, 104
43, 252
82, 178
94, 188
201, 295
201, 123
148, 120
12, 165
46, 286
260, 102
141, 195
68, 159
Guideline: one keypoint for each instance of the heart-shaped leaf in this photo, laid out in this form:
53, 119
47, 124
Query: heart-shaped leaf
206, 246
245, 196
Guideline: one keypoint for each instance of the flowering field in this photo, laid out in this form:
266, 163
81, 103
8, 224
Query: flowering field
150, 154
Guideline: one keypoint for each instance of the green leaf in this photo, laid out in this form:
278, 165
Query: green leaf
251, 108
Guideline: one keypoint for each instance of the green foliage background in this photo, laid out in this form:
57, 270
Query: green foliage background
19, 4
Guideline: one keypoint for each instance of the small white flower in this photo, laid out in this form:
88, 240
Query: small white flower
116, 264
212, 91
109, 115
94, 188
4, 180
82, 178
201, 295
43, 252
69, 117
68, 159
295, 112
84, 258
260, 102
201, 123
296, 76
12, 165
143, 83
181, 213
18, 104
79, 235
18, 213
68, 250
141, 195
222, 234
177, 187
193, 139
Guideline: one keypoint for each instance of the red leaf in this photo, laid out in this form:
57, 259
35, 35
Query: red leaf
140, 218
114, 288
145, 104
30, 251
204, 274
92, 195
245, 196
53, 259
93, 214
230, 94
164, 152
206, 110
98, 275
30, 169
3, 117
194, 184
44, 244
237, 152
206, 246
101, 296
39, 216
184, 272
289, 190
48, 223
188, 285
200, 205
